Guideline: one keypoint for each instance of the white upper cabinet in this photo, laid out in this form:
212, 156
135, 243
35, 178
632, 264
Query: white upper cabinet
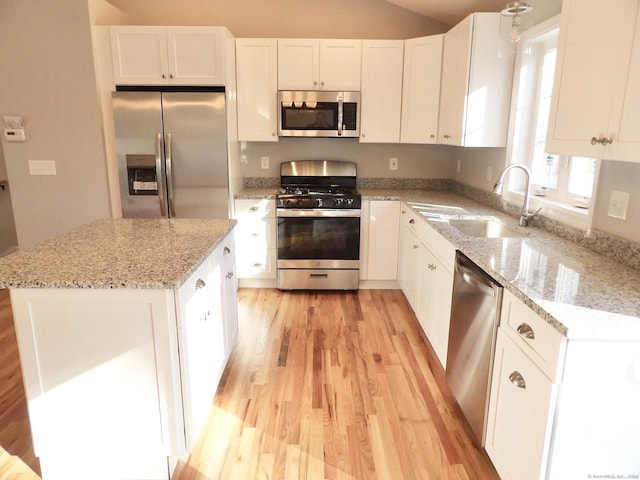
421, 89
311, 64
595, 109
381, 90
257, 85
168, 55
476, 84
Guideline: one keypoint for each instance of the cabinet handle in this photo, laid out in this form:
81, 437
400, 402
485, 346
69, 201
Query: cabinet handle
171, 75
164, 76
432, 136
322, 84
517, 379
446, 135
315, 83
412, 221
415, 247
257, 265
200, 284
526, 331
431, 266
253, 209
273, 134
226, 251
363, 135
230, 275
254, 234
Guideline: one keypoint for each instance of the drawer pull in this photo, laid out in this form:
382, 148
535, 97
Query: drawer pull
226, 251
253, 209
412, 221
257, 265
517, 379
200, 284
526, 331
230, 275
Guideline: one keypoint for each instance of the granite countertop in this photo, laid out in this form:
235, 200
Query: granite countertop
121, 253
582, 294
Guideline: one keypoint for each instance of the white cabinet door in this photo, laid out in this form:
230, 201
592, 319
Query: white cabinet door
168, 55
381, 92
421, 89
139, 55
597, 103
476, 84
257, 84
520, 413
225, 268
311, 64
298, 64
384, 218
102, 378
196, 55
202, 344
340, 64
411, 267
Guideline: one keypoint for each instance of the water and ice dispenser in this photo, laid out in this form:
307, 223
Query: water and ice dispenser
142, 175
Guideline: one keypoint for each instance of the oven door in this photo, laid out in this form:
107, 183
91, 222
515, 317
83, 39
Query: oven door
318, 239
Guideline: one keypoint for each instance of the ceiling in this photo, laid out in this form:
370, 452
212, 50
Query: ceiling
449, 11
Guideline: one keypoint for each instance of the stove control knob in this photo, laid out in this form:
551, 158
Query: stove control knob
349, 201
290, 203
318, 202
339, 202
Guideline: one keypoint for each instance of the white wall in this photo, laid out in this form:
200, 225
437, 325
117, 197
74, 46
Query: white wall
286, 18
414, 161
48, 78
8, 238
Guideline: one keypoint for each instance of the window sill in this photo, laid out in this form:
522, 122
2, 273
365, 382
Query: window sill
562, 212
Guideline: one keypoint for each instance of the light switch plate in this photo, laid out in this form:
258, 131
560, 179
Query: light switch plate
264, 162
393, 163
42, 167
618, 204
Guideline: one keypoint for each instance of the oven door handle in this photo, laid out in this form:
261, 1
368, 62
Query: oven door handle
347, 212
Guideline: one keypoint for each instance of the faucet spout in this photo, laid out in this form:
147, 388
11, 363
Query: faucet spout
525, 215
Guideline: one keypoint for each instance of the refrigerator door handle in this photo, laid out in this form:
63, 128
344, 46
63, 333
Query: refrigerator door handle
167, 146
159, 181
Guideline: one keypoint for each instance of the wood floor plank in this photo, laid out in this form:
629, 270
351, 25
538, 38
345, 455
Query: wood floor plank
334, 385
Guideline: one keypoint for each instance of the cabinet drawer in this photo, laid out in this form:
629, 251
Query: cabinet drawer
411, 220
539, 340
251, 208
258, 234
258, 264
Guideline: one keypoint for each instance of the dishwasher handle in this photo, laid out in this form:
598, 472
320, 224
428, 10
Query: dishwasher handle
471, 274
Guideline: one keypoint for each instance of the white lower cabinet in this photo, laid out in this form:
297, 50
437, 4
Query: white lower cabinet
426, 277
519, 418
118, 381
256, 238
383, 233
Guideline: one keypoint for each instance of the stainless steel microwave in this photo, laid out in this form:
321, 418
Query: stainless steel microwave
318, 114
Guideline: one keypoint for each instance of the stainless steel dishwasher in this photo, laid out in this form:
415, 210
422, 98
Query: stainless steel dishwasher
475, 315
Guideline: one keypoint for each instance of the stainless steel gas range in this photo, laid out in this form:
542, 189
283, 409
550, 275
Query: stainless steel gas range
318, 213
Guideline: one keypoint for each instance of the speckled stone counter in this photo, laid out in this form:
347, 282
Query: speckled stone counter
582, 294
122, 253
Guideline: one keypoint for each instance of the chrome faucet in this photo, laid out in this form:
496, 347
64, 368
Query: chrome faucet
525, 215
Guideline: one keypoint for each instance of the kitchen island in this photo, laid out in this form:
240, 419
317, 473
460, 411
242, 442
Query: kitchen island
124, 328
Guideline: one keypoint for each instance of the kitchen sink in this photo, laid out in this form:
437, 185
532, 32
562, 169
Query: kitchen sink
483, 227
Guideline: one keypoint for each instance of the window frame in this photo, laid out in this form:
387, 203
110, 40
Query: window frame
560, 208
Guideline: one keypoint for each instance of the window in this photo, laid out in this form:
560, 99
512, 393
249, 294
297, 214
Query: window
561, 180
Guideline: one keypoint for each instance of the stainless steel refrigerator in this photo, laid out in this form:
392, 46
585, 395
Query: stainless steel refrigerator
172, 154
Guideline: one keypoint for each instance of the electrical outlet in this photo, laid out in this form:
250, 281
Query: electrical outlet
489, 173
393, 163
264, 162
458, 165
618, 204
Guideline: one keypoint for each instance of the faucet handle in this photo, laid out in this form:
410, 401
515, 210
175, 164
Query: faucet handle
531, 215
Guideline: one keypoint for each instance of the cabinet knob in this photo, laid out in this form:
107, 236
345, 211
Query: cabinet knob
171, 75
525, 330
230, 275
446, 135
315, 83
363, 135
415, 247
517, 379
164, 76
200, 284
226, 251
322, 84
273, 134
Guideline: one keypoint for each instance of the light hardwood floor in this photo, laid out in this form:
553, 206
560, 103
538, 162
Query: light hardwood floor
17, 460
319, 386
333, 386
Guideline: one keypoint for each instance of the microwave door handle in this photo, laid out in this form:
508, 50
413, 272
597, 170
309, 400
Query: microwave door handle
159, 177
340, 114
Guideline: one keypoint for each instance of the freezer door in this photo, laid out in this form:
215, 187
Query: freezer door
196, 154
138, 128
